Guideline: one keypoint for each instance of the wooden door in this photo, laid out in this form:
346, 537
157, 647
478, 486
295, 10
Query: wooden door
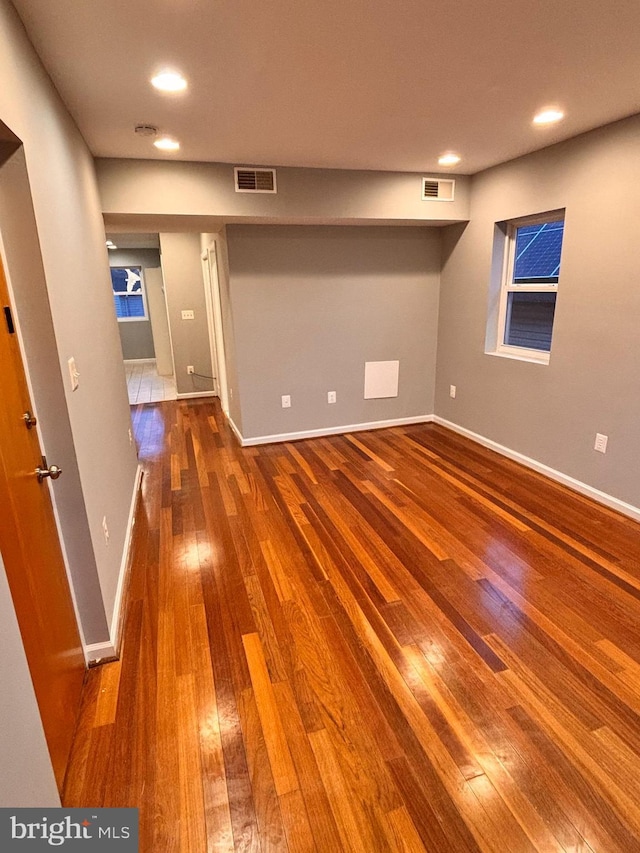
32, 556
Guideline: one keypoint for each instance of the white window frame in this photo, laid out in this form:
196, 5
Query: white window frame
145, 307
507, 287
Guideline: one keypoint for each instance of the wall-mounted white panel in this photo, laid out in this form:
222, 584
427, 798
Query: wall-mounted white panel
381, 379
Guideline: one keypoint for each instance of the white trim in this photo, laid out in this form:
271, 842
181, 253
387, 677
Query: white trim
206, 278
195, 394
112, 648
577, 485
235, 429
336, 430
216, 333
520, 355
138, 360
97, 652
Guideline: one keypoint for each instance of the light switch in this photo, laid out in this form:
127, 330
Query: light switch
601, 443
73, 373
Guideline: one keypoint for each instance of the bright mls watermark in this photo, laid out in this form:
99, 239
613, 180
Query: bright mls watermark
104, 830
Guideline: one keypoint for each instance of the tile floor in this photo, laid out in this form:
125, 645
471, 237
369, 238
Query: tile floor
145, 385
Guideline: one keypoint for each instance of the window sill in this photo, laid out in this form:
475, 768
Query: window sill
531, 357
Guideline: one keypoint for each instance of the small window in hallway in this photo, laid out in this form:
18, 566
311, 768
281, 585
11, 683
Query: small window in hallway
128, 293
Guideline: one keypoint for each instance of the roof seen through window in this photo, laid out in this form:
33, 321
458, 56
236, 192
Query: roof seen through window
538, 249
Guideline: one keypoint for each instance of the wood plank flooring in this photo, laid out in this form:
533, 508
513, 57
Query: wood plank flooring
385, 641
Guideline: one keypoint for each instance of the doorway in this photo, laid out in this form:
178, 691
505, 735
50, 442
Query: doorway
141, 310
32, 554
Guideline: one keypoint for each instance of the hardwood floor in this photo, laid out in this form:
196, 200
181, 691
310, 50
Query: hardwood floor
386, 641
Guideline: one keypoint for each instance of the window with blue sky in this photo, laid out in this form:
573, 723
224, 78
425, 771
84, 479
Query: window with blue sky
128, 294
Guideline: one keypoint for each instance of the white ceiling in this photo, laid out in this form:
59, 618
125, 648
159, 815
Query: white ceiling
356, 84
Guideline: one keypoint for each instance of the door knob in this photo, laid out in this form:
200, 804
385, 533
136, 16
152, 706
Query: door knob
47, 471
29, 420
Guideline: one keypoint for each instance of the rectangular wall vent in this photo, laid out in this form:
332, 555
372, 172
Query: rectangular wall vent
437, 189
255, 180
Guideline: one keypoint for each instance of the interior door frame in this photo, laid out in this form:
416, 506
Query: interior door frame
34, 403
57, 666
214, 320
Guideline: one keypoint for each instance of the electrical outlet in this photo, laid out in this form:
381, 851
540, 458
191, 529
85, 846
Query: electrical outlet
105, 530
601, 443
130, 436
452, 391
331, 396
190, 369
286, 401
73, 373
188, 315
231, 393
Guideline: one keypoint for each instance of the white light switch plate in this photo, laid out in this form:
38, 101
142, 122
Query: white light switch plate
73, 373
601, 443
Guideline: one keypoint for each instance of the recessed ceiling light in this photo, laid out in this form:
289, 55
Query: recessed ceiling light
449, 160
548, 116
111, 246
165, 143
169, 81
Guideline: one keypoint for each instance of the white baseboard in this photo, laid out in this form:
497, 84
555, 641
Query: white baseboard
577, 485
236, 431
111, 648
336, 430
96, 653
195, 394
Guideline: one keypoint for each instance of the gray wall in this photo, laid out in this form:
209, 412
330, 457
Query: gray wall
184, 286
552, 412
72, 243
27, 776
135, 335
311, 304
311, 195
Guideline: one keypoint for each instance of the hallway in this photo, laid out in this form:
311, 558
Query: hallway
385, 641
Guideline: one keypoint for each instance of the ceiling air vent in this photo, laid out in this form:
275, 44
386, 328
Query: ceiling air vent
437, 189
255, 180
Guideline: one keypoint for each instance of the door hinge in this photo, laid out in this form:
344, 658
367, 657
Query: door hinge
9, 318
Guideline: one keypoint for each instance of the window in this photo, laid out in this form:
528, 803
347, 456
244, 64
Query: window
128, 293
530, 286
